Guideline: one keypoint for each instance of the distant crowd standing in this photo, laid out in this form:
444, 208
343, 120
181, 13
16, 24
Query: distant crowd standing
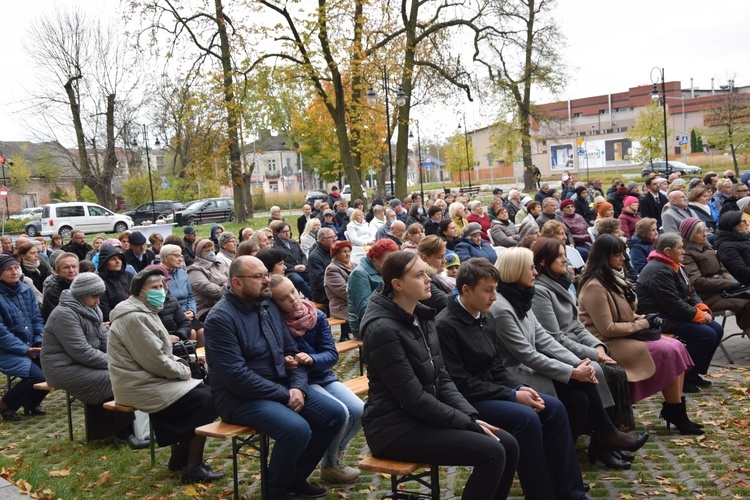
495, 332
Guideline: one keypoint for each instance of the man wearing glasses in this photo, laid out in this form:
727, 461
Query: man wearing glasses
78, 245
294, 260
318, 260
256, 381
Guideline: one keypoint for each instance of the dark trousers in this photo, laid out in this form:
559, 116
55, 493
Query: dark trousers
300, 282
23, 393
494, 462
584, 407
701, 341
548, 466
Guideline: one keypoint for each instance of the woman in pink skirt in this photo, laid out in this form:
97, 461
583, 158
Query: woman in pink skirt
653, 363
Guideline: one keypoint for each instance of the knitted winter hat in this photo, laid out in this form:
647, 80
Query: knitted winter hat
742, 203
87, 285
601, 208
567, 202
629, 200
631, 185
688, 227
224, 237
7, 261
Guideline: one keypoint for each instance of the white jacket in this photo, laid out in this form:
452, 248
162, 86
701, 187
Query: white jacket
359, 233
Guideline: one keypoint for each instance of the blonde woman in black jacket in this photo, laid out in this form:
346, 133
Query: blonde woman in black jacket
414, 411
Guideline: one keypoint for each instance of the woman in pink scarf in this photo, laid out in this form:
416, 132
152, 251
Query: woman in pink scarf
310, 329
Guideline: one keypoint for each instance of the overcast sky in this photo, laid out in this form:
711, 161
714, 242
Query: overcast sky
612, 46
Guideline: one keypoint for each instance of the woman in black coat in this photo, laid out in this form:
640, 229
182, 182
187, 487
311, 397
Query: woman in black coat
116, 279
414, 411
732, 244
664, 288
34, 267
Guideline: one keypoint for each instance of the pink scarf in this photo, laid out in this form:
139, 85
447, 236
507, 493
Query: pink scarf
301, 321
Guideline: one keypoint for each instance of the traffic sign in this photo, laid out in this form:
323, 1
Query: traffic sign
683, 140
580, 151
579, 141
2, 159
3, 192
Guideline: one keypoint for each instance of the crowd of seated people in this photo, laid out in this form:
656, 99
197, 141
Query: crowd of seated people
470, 324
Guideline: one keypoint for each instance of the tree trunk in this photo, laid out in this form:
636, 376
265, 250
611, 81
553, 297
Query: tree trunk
110, 161
75, 110
242, 208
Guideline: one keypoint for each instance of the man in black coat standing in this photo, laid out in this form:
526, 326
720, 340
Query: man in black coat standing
653, 202
77, 245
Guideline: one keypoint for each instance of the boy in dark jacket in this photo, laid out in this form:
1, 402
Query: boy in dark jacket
547, 467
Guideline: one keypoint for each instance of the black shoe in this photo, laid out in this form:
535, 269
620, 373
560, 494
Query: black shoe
702, 382
36, 411
617, 440
174, 465
11, 416
606, 457
133, 442
675, 413
690, 387
586, 488
624, 455
307, 490
695, 424
203, 474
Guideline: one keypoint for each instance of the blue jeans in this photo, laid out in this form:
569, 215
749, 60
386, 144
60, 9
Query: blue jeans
301, 284
701, 342
301, 438
547, 466
354, 408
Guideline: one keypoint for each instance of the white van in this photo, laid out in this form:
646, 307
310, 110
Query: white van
62, 218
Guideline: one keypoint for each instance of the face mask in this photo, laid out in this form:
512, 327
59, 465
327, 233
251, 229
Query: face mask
156, 297
420, 211
210, 256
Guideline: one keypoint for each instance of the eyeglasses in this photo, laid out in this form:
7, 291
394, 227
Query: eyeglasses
178, 255
259, 277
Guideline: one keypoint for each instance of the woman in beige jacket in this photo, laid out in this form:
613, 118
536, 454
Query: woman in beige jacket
147, 376
607, 305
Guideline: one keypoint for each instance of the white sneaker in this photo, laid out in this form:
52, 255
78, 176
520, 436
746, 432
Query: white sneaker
339, 473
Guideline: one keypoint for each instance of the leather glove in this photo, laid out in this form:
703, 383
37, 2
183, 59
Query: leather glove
734, 284
654, 320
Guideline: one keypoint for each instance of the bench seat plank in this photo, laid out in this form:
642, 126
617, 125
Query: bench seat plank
223, 430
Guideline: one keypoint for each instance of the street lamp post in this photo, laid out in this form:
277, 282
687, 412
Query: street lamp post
372, 99
419, 161
466, 141
148, 166
655, 97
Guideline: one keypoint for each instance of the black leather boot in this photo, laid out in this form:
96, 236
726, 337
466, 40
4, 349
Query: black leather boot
675, 413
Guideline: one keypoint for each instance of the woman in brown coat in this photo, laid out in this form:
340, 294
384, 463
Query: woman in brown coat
708, 275
607, 305
336, 278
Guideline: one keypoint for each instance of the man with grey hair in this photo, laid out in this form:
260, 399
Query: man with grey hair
318, 261
542, 193
677, 212
7, 243
382, 232
549, 211
66, 269
396, 233
378, 218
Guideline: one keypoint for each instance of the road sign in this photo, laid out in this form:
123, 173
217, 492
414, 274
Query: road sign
683, 140
3, 192
580, 151
579, 141
2, 159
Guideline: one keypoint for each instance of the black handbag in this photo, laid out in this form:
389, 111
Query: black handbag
740, 293
185, 349
643, 335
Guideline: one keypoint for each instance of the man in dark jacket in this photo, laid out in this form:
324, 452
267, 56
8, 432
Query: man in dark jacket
303, 219
138, 255
189, 239
318, 261
652, 202
78, 245
333, 196
257, 380
66, 269
435, 216
539, 422
294, 260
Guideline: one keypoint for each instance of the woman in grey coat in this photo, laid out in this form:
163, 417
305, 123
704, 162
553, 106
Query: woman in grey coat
74, 358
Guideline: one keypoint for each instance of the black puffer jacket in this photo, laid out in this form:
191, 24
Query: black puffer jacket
409, 385
662, 290
117, 283
173, 319
470, 349
733, 249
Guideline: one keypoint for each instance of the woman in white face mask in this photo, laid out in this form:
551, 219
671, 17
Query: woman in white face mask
155, 381
208, 277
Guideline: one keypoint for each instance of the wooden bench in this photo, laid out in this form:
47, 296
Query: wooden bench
350, 345
114, 406
359, 386
471, 191
69, 400
403, 472
241, 436
336, 321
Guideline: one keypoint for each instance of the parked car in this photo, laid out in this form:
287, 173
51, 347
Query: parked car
161, 208
34, 228
312, 196
62, 218
347, 193
207, 210
660, 167
27, 213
